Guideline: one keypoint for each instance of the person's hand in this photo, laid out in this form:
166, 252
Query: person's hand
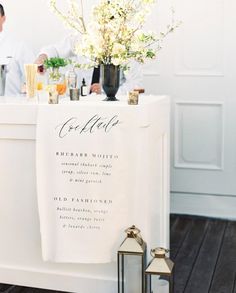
95, 88
40, 60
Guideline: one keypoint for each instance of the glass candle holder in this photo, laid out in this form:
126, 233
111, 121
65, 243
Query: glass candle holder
74, 94
133, 98
53, 96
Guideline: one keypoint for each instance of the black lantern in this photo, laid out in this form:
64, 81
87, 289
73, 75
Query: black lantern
160, 267
131, 263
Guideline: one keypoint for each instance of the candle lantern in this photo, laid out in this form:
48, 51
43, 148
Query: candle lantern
160, 266
131, 263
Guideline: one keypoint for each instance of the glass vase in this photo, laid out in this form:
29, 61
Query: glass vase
57, 78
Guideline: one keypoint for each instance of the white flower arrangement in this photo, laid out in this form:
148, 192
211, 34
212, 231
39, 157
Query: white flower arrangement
114, 34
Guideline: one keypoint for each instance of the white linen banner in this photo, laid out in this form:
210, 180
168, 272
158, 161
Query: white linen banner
88, 160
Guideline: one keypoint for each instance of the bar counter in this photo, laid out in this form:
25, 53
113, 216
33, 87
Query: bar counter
20, 247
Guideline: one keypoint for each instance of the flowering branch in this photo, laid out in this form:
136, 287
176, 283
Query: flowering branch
72, 19
114, 33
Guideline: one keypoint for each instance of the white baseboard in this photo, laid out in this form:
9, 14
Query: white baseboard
216, 206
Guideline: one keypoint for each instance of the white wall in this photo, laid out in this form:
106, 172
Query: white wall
32, 21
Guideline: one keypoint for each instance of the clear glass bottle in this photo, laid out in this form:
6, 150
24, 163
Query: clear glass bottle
84, 88
71, 78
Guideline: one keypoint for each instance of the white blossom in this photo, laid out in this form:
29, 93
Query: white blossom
114, 33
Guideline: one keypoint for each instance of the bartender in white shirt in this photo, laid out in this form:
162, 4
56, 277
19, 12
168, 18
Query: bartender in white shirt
15, 54
64, 49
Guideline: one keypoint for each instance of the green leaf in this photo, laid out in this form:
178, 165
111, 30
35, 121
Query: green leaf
56, 62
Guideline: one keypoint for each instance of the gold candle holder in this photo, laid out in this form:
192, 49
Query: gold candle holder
133, 98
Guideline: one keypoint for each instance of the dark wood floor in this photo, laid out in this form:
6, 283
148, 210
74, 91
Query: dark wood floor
204, 252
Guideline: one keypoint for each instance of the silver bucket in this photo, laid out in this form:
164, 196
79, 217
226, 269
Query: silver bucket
3, 71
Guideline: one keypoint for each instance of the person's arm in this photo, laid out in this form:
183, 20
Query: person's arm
131, 80
62, 49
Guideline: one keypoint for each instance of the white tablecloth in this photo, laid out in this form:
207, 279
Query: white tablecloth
93, 176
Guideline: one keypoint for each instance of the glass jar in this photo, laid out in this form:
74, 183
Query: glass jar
57, 78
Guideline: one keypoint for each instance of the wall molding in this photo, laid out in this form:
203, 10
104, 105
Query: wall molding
151, 73
208, 205
199, 74
17, 131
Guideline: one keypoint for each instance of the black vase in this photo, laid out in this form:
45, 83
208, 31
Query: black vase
110, 75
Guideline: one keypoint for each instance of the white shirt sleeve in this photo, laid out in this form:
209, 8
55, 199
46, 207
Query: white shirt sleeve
62, 49
132, 79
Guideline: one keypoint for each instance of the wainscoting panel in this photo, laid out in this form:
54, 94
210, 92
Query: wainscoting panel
199, 46
199, 135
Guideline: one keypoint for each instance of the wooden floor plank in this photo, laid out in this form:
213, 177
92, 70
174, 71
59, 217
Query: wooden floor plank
224, 276
4, 287
173, 220
10, 288
234, 290
178, 233
187, 254
202, 271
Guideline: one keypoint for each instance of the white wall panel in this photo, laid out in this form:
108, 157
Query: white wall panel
199, 135
199, 41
